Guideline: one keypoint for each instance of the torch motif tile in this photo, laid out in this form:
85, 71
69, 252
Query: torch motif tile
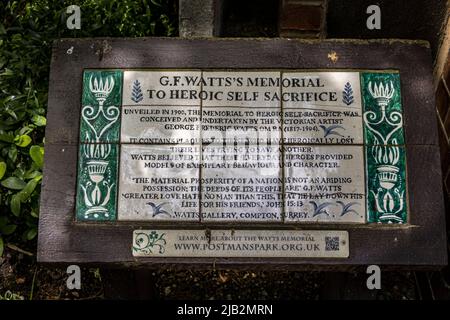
100, 113
383, 117
385, 151
97, 182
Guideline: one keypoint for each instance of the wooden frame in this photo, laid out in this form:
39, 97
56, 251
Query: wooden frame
422, 243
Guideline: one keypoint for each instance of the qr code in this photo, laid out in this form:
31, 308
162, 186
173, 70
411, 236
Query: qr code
331, 243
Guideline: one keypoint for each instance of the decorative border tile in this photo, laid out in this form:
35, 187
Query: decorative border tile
386, 184
97, 182
383, 118
98, 150
100, 111
385, 151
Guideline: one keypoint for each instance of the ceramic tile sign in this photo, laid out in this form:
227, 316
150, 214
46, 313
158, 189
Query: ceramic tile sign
322, 108
240, 243
242, 146
159, 182
241, 107
324, 183
161, 107
241, 183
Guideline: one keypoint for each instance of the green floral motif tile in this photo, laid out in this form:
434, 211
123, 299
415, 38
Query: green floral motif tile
386, 184
97, 182
100, 113
383, 118
385, 151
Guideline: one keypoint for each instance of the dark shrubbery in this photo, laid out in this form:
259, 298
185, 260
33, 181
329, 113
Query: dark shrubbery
27, 29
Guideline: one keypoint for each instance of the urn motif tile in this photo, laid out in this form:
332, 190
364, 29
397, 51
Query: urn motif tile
386, 184
97, 182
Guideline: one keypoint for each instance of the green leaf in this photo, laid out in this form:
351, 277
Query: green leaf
37, 154
38, 120
28, 190
34, 213
27, 129
7, 72
2, 169
8, 229
33, 174
1, 246
23, 140
13, 183
7, 137
12, 153
31, 234
15, 205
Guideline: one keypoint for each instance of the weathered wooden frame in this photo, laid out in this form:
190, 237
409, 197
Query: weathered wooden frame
421, 243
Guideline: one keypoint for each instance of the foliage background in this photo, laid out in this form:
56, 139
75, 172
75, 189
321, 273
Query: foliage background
27, 30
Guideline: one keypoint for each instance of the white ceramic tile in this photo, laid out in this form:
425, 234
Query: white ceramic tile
252, 125
322, 108
241, 183
324, 184
241, 243
158, 183
160, 124
243, 107
251, 89
161, 107
161, 88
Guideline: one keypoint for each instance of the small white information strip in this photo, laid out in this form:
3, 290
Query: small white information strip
241, 243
